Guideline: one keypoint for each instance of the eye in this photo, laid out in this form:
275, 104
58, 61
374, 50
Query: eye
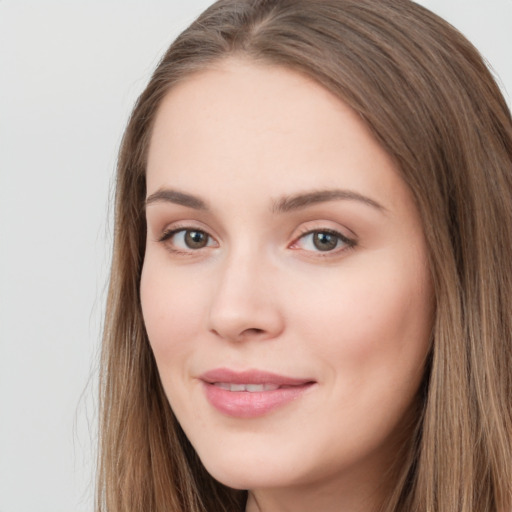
324, 240
187, 239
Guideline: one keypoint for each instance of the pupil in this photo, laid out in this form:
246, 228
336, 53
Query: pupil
195, 239
325, 241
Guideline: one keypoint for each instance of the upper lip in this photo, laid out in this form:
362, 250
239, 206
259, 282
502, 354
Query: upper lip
228, 376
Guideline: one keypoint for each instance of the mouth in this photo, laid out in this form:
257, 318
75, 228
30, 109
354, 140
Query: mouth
252, 393
225, 378
250, 388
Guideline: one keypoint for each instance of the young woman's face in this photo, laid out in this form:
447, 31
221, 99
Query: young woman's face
285, 287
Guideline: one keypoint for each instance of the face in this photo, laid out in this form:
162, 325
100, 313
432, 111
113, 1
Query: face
285, 287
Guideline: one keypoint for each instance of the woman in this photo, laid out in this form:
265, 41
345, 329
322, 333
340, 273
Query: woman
310, 298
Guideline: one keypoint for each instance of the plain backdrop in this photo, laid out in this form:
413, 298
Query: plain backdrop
70, 72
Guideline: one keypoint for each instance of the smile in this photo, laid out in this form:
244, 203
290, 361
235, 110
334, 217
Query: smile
252, 393
250, 388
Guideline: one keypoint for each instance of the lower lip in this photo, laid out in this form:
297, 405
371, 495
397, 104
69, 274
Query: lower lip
245, 404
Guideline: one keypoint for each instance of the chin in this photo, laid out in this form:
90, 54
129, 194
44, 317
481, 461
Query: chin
248, 472
248, 478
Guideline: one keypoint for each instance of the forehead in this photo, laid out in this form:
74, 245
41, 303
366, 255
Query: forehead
264, 100
240, 120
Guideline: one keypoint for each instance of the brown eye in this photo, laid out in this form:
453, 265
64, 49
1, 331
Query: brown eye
195, 239
187, 240
325, 241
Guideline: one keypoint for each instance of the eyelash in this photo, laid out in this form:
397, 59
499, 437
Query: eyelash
167, 235
348, 243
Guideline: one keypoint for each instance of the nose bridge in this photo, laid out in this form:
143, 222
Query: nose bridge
242, 303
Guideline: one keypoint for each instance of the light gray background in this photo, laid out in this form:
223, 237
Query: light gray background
69, 75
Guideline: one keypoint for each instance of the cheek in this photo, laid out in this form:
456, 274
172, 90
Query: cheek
371, 320
171, 309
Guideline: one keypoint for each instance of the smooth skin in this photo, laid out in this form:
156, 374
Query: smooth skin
282, 238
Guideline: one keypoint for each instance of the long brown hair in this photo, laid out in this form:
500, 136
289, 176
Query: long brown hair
426, 94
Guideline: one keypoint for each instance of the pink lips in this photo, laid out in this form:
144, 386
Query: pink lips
252, 393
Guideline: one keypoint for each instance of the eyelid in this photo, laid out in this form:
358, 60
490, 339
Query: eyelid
309, 228
349, 242
169, 232
164, 231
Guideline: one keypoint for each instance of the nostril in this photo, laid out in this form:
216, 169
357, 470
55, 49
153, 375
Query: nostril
244, 334
252, 331
235, 320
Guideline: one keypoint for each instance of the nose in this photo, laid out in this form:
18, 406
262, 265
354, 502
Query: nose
244, 305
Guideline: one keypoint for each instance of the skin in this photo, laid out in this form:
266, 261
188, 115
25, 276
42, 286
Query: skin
356, 319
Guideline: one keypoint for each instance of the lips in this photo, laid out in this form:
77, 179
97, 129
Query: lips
252, 393
250, 388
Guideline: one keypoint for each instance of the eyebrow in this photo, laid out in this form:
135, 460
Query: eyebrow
173, 196
285, 204
301, 201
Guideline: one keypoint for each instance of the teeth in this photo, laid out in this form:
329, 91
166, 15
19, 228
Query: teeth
251, 388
